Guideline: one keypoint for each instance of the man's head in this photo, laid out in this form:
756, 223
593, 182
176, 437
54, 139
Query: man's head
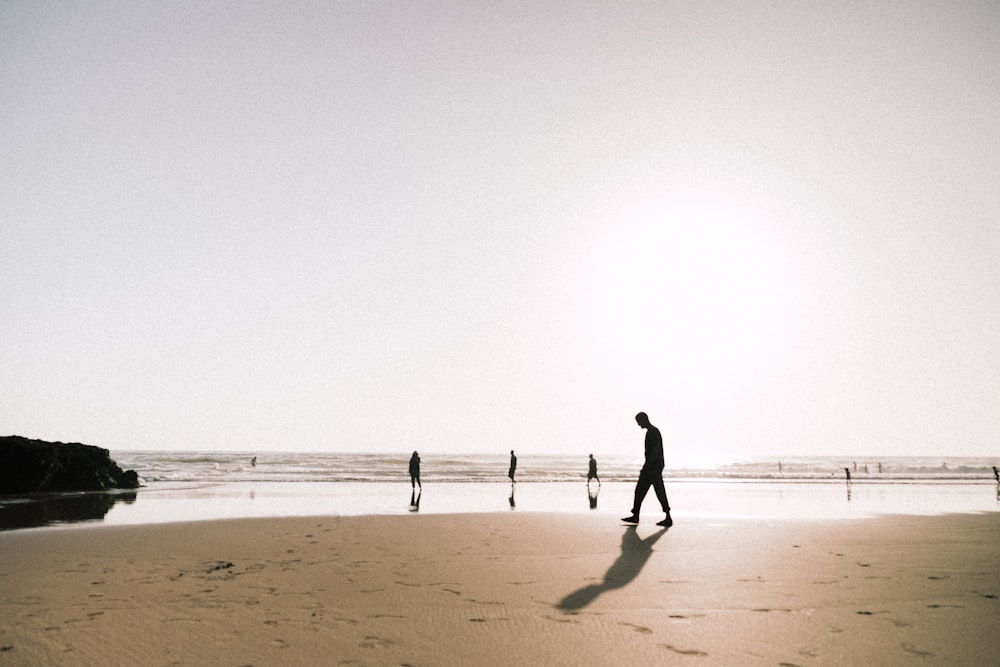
642, 420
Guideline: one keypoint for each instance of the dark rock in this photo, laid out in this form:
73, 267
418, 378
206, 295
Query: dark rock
37, 466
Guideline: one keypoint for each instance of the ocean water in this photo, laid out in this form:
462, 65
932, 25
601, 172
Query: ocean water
190, 486
155, 467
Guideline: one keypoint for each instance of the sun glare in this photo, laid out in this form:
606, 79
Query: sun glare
694, 287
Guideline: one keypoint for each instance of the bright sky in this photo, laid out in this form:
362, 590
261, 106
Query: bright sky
462, 227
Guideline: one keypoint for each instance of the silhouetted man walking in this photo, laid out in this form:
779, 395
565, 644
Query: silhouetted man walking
415, 471
651, 473
513, 466
592, 470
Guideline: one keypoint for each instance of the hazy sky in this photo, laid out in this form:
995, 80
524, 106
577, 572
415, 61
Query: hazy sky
387, 226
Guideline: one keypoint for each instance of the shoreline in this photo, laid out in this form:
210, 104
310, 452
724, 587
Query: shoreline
534, 587
170, 502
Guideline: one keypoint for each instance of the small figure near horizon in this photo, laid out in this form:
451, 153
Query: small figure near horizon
592, 471
651, 473
996, 473
513, 466
847, 471
415, 471
253, 462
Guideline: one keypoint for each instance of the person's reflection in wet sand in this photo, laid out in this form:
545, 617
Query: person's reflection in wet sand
592, 496
415, 500
635, 553
511, 499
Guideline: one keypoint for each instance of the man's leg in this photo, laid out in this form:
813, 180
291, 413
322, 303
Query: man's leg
661, 492
641, 489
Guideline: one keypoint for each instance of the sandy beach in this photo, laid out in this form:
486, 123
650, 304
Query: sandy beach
522, 589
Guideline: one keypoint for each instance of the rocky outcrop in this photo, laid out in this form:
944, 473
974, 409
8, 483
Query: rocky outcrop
37, 466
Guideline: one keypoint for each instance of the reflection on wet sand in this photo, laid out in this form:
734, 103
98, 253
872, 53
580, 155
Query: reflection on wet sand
54, 508
415, 499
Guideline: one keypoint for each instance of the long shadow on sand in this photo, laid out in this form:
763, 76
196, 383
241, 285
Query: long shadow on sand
635, 553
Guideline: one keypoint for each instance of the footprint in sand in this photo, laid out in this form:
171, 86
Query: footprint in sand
683, 651
910, 648
374, 642
563, 620
638, 628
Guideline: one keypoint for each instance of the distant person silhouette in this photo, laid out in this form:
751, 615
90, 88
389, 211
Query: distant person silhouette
592, 470
651, 473
253, 462
996, 473
847, 472
513, 466
415, 471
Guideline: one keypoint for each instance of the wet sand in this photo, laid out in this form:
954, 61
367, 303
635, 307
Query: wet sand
513, 588
703, 500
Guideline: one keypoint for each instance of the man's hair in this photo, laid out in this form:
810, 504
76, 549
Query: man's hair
642, 416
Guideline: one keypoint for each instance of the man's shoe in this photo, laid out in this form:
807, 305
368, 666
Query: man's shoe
631, 519
666, 523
